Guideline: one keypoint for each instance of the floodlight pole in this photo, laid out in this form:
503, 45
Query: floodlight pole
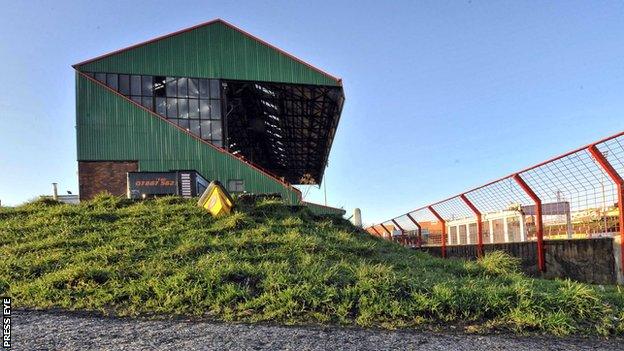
619, 182
539, 225
479, 224
417, 226
437, 215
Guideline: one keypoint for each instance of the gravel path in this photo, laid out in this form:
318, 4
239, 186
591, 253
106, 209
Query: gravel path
37, 330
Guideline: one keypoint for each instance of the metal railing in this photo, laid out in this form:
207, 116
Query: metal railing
577, 195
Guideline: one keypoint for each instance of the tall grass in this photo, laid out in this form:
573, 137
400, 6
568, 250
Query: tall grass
271, 262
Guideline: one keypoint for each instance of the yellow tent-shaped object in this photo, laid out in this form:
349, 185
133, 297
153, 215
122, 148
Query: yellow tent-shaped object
216, 199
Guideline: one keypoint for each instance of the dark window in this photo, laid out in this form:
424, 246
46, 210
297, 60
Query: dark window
214, 89
193, 88
216, 130
135, 85
124, 84
111, 80
193, 108
172, 87
101, 77
184, 123
136, 99
206, 133
195, 126
182, 87
218, 143
203, 88
204, 109
183, 108
161, 106
147, 102
215, 109
172, 108
159, 86
147, 86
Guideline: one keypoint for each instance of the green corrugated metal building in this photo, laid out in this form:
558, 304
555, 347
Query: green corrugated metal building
210, 98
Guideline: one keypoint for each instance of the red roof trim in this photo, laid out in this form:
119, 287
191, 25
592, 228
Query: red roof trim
218, 20
256, 167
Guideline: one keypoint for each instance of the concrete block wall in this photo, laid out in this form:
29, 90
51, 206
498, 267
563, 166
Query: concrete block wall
584, 260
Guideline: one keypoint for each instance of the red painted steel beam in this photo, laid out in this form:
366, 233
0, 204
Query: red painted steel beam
437, 215
619, 182
419, 241
477, 213
397, 225
375, 230
403, 238
415, 223
538, 220
386, 229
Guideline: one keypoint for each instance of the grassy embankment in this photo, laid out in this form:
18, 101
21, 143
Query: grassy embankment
267, 263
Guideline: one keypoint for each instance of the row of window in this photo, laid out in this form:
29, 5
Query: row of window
205, 129
140, 85
191, 103
168, 96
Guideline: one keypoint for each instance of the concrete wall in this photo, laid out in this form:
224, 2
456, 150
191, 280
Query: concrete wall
585, 260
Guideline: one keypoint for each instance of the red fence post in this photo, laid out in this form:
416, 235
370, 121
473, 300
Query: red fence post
397, 225
386, 229
435, 213
417, 226
479, 224
402, 240
375, 230
538, 220
619, 182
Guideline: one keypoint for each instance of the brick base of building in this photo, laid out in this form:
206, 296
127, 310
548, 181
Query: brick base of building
95, 177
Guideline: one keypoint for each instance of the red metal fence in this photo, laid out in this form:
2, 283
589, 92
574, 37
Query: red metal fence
576, 195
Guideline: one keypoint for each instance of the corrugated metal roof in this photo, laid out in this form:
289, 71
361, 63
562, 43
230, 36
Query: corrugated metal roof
215, 49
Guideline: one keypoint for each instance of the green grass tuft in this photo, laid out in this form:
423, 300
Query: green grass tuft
499, 263
271, 262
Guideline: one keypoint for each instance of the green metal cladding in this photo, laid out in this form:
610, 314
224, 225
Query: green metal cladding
112, 128
214, 50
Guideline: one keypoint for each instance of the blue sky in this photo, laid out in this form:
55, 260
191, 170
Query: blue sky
441, 95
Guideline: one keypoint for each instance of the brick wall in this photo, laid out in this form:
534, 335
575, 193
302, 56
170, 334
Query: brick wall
95, 177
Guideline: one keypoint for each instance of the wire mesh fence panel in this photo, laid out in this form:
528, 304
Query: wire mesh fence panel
502, 195
453, 209
577, 197
406, 223
499, 203
431, 227
456, 215
574, 196
409, 231
613, 151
